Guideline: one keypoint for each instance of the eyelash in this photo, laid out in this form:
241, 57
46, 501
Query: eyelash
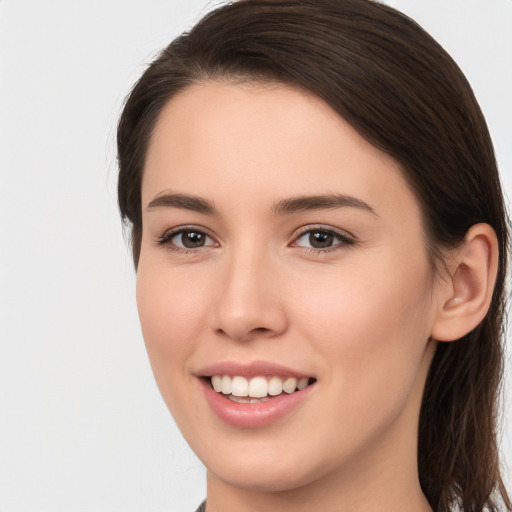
166, 238
345, 240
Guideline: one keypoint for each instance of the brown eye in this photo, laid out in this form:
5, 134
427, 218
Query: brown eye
321, 239
186, 239
190, 239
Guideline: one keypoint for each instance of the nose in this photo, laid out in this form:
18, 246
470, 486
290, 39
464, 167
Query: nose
249, 303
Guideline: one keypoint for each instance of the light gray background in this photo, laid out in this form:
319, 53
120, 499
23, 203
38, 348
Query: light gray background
82, 425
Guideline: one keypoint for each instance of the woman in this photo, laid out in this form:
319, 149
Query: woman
320, 242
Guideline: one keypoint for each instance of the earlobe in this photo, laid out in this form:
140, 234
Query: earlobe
465, 294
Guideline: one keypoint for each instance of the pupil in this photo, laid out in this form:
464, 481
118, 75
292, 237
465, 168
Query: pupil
191, 239
321, 239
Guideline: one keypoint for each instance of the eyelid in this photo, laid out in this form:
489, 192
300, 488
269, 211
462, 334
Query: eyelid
165, 239
347, 238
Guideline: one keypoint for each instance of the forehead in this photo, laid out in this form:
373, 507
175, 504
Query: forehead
264, 141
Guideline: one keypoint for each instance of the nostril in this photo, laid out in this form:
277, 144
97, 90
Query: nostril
242, 334
260, 330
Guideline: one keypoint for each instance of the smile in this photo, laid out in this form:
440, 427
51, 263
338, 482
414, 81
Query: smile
257, 389
254, 395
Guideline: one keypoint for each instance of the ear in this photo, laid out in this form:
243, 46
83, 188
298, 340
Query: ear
466, 292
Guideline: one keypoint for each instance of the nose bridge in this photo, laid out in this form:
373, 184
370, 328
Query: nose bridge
248, 304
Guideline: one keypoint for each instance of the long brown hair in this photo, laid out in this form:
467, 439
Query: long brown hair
402, 92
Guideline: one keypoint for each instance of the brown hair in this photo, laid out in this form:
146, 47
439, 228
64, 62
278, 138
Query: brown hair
402, 92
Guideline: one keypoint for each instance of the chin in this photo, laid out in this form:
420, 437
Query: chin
262, 477
268, 467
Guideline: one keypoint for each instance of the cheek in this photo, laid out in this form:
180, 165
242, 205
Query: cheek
372, 328
171, 315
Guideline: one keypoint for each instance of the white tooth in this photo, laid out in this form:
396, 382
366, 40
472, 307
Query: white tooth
290, 385
239, 386
239, 399
302, 383
226, 384
275, 386
258, 387
217, 383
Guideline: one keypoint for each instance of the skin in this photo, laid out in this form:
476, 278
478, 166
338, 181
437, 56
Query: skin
358, 316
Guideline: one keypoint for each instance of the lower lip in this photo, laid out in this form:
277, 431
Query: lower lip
254, 415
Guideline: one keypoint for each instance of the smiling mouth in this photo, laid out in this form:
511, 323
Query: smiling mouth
257, 389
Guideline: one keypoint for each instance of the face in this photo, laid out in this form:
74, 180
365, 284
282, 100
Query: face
280, 249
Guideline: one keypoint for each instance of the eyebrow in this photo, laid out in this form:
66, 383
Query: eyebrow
185, 202
320, 202
282, 207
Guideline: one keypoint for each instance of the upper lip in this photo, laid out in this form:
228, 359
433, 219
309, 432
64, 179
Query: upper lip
249, 369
